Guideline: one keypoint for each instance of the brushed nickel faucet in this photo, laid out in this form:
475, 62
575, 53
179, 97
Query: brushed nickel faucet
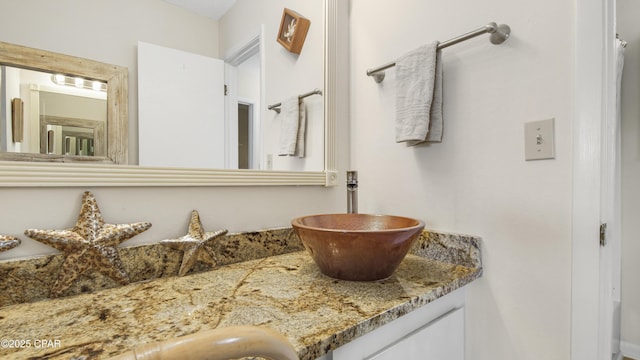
352, 192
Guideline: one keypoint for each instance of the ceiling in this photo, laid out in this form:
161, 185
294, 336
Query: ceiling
213, 9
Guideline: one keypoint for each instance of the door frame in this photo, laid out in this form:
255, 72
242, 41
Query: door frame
235, 57
591, 267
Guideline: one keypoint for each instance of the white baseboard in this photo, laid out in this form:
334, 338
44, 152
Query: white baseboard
630, 350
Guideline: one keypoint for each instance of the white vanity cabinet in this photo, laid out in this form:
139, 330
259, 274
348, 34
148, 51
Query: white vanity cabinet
434, 331
441, 339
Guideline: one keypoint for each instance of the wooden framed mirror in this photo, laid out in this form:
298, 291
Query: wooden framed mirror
116, 80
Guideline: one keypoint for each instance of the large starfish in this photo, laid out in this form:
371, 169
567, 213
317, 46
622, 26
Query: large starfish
90, 245
194, 245
8, 242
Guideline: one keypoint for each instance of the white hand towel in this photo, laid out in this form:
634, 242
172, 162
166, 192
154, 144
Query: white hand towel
292, 128
419, 95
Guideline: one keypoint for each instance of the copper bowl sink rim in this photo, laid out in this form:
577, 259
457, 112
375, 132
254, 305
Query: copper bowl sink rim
298, 223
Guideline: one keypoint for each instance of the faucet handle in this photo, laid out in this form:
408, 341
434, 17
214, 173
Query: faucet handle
352, 178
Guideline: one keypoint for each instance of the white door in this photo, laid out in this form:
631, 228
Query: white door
180, 108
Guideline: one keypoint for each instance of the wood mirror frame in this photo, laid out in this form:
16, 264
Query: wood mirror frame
38, 173
116, 78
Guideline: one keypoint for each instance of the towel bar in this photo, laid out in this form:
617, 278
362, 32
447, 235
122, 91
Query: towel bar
276, 107
499, 33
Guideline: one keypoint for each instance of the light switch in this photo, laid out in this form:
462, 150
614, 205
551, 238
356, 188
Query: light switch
539, 140
269, 161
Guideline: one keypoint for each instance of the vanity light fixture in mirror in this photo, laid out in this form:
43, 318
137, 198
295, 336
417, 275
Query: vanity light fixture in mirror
74, 71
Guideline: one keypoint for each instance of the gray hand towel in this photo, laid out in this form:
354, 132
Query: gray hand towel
419, 95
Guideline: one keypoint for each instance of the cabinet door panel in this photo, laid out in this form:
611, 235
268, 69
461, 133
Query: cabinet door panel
376, 342
442, 339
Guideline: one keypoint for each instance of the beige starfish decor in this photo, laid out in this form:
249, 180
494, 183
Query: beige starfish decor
8, 242
90, 245
195, 245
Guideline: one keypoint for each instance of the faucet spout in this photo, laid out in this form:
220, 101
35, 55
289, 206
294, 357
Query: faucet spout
352, 192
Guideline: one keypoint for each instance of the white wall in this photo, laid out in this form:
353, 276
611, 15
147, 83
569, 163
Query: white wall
168, 209
249, 79
476, 181
629, 30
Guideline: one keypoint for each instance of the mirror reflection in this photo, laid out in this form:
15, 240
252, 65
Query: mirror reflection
204, 112
48, 91
56, 115
257, 72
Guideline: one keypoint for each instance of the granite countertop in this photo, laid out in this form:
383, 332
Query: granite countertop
284, 292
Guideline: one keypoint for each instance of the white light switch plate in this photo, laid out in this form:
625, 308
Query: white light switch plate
539, 139
269, 161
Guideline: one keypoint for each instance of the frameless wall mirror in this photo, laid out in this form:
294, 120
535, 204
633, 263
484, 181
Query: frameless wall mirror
71, 109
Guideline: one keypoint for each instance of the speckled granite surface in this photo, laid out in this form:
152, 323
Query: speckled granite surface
448, 247
28, 280
285, 292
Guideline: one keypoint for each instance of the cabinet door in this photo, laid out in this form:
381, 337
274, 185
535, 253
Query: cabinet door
382, 339
442, 339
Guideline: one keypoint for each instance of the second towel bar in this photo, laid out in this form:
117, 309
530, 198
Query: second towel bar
276, 107
499, 33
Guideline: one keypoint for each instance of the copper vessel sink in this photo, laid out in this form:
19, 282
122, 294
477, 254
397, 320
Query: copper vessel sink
357, 247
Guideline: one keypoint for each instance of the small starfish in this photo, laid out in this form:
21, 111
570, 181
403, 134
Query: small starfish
90, 244
8, 242
291, 29
194, 245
